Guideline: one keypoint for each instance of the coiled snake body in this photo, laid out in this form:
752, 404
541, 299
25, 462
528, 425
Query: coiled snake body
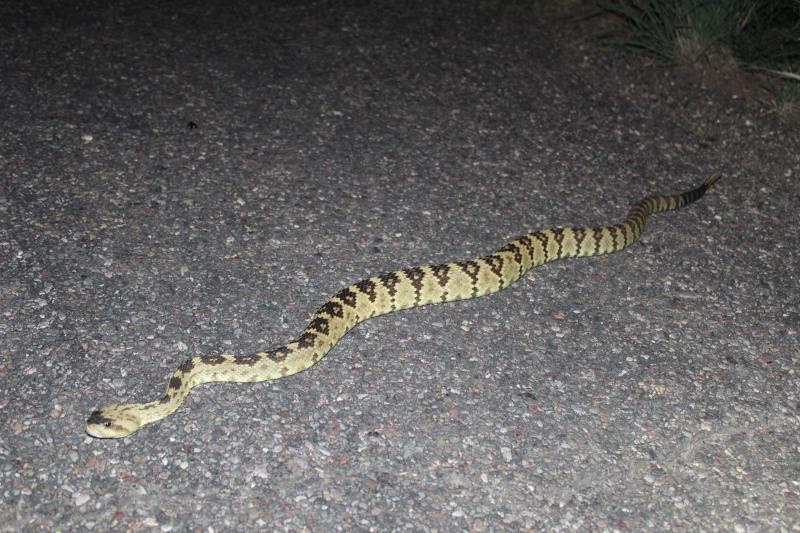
403, 289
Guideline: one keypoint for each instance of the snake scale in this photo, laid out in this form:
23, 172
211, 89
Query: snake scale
379, 295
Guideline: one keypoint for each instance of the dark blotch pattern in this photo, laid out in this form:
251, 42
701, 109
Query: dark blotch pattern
542, 238
367, 286
320, 324
471, 269
332, 308
527, 242
516, 251
442, 275
580, 235
279, 355
617, 236
212, 359
558, 236
306, 340
248, 360
175, 383
416, 277
513, 248
495, 263
187, 366
597, 233
390, 281
347, 297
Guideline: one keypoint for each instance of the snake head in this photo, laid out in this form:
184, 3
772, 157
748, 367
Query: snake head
111, 422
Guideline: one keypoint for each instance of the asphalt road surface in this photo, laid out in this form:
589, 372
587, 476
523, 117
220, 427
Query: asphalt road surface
184, 178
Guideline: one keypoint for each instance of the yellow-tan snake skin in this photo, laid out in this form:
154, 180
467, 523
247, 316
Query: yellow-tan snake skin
390, 292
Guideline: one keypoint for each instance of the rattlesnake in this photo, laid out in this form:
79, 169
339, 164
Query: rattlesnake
383, 294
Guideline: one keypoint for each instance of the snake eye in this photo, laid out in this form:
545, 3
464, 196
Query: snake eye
107, 424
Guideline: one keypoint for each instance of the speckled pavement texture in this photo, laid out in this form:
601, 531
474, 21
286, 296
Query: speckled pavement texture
198, 177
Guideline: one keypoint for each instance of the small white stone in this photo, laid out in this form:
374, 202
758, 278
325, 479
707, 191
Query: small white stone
506, 452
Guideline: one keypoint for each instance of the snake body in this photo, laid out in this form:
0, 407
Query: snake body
379, 295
